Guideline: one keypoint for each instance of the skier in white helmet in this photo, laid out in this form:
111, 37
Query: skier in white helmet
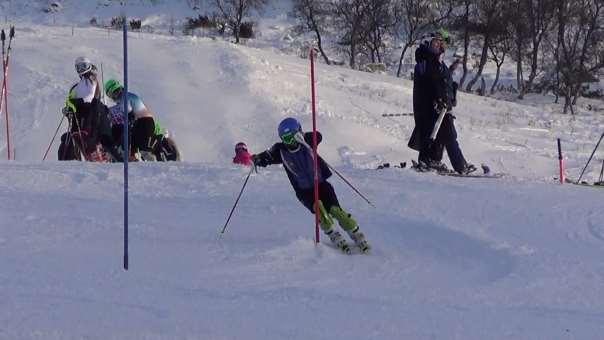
89, 117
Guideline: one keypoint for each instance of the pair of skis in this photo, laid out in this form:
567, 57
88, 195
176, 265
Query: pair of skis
4, 92
348, 248
486, 171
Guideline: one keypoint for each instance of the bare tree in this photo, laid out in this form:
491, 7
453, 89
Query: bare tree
380, 22
539, 15
487, 24
518, 28
351, 18
463, 21
234, 11
194, 4
500, 46
414, 18
580, 53
312, 16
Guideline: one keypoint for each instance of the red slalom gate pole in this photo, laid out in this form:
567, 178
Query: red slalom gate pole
314, 143
5, 94
560, 162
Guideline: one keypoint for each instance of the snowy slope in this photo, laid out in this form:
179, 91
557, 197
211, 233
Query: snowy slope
180, 79
514, 258
452, 259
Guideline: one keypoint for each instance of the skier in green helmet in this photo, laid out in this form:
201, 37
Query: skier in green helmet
141, 120
297, 162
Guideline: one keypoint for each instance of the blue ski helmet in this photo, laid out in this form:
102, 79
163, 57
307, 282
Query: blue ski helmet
287, 130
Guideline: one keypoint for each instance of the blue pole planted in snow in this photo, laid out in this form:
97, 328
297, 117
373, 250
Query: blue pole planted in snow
125, 143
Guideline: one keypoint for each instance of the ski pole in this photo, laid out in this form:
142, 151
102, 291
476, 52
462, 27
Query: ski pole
102, 86
81, 139
590, 157
315, 156
349, 184
560, 162
601, 173
53, 138
4, 90
397, 114
237, 200
68, 140
439, 121
301, 140
11, 35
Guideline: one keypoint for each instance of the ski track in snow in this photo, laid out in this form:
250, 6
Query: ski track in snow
452, 258
63, 258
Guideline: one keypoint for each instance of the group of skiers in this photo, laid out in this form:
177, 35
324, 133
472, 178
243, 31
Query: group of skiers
95, 130
434, 94
94, 126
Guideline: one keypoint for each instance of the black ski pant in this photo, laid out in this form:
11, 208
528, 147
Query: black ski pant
143, 133
446, 138
327, 196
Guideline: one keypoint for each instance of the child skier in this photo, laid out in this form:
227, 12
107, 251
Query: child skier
293, 152
242, 156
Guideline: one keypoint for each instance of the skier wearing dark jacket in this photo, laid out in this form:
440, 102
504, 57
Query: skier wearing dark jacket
89, 117
433, 91
294, 153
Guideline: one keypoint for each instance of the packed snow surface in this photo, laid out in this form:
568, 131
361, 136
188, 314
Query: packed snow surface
518, 257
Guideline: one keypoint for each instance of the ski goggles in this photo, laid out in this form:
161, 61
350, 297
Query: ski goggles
115, 94
239, 148
83, 67
289, 138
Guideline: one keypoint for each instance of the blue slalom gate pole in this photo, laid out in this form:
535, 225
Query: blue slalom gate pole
125, 143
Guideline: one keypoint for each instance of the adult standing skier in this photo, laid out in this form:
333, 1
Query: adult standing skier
89, 117
434, 91
298, 164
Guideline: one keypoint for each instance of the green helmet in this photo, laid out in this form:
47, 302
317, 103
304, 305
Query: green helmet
111, 86
442, 34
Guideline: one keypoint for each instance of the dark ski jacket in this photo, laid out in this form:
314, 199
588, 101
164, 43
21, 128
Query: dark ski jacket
93, 118
432, 84
298, 163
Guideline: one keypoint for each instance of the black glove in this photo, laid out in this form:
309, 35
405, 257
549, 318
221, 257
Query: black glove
67, 111
440, 105
259, 161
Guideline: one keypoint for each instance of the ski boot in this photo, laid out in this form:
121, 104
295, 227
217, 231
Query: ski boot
438, 166
339, 241
429, 166
334, 235
468, 169
148, 156
359, 239
352, 228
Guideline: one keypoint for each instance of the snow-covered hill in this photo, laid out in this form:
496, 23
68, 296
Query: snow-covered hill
453, 258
